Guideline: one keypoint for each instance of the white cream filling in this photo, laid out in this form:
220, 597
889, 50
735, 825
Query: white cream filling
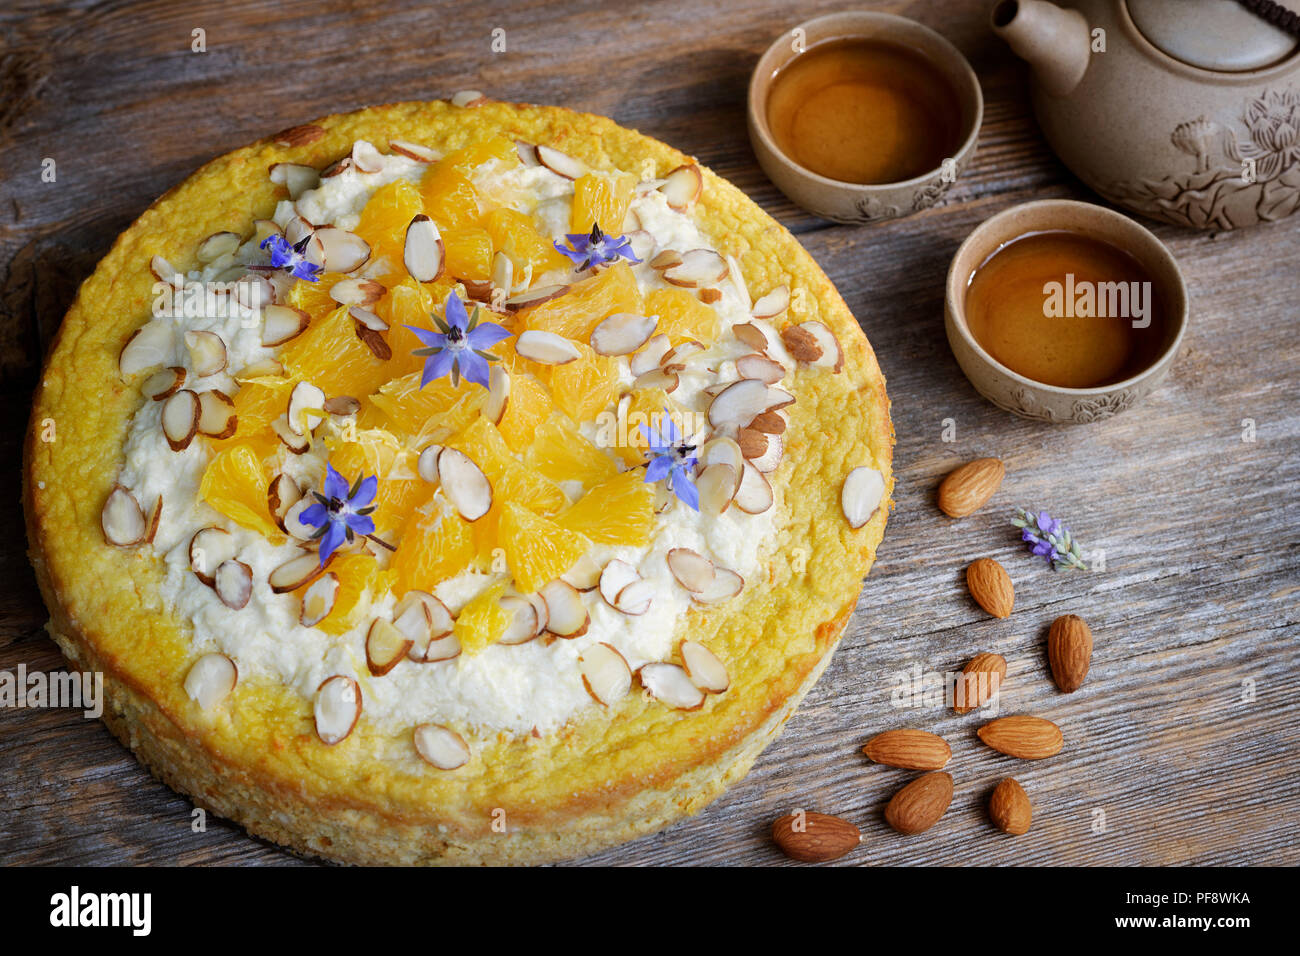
503, 688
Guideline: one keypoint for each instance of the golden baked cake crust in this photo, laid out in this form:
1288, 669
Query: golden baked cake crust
606, 776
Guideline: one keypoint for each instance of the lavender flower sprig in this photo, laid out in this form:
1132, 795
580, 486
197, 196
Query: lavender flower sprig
1050, 539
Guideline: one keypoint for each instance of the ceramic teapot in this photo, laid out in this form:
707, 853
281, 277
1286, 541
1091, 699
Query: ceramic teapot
1181, 110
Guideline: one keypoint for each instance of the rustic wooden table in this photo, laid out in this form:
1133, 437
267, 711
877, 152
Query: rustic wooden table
1179, 749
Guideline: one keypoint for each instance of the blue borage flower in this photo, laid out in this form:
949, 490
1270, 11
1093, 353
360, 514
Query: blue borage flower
341, 513
596, 249
292, 258
671, 458
460, 346
1050, 539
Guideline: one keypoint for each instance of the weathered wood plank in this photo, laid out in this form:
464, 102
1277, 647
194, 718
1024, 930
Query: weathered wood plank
1198, 602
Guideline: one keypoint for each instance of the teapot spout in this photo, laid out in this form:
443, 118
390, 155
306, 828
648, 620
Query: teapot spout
1052, 40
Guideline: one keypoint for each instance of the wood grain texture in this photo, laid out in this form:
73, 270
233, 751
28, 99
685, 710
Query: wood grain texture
1195, 613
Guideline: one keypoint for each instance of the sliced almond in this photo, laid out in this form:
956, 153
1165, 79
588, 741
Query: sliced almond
725, 585
468, 98
295, 177
281, 495
263, 368
180, 419
428, 623
386, 644
298, 444
812, 343
318, 600
337, 708
498, 397
773, 304
421, 154
363, 316
296, 572
338, 168
699, 267
523, 620
374, 341
254, 291
605, 673
736, 405
760, 367
584, 575
426, 466
777, 398
635, 599
649, 357
615, 576
344, 251
293, 523
217, 417
297, 229
366, 158
710, 296
666, 259
464, 484
546, 348
362, 292
217, 245
770, 423
207, 353
306, 402
770, 459
657, 378
754, 496
679, 354
424, 253
164, 271
122, 519
722, 451
149, 346
716, 485
527, 153
211, 679
440, 746
233, 582
264, 229
622, 333
164, 383
682, 187
534, 296
671, 685
209, 549
566, 613
280, 323
703, 668
751, 335
560, 163
152, 520
752, 443
540, 609
641, 242
341, 406
860, 497
691, 569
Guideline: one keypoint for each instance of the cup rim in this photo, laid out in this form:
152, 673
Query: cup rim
758, 114
955, 285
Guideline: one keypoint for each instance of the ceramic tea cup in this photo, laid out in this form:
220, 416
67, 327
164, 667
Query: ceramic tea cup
1050, 403
851, 202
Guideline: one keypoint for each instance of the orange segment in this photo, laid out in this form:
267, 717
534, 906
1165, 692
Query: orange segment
465, 160
383, 224
436, 545
682, 316
646, 407
258, 402
617, 511
511, 481
235, 484
518, 237
330, 356
582, 308
358, 575
537, 549
314, 297
601, 198
469, 253
410, 408
449, 197
559, 452
530, 405
483, 620
584, 388
379, 453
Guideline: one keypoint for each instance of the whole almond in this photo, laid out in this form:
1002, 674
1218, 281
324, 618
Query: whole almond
1069, 651
968, 488
920, 804
1029, 738
990, 586
909, 749
979, 682
1009, 807
815, 837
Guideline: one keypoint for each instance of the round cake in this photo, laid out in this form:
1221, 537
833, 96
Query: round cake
455, 482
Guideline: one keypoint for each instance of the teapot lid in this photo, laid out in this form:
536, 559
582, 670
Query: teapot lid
1217, 35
